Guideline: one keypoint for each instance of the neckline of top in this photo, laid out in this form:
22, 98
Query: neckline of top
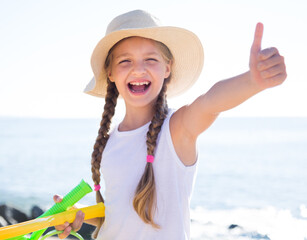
134, 131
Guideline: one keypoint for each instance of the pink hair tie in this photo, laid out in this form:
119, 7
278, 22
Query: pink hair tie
97, 187
150, 158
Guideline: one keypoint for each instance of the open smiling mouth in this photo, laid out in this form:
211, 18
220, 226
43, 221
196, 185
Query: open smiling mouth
139, 87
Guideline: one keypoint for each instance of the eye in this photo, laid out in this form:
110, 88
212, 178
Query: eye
124, 61
152, 60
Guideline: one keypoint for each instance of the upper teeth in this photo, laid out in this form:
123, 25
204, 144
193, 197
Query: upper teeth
139, 83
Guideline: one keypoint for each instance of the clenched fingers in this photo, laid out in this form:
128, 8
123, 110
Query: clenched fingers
267, 53
62, 227
66, 227
272, 71
65, 233
270, 62
271, 67
77, 224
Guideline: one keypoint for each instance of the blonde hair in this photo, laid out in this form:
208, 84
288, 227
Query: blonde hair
144, 201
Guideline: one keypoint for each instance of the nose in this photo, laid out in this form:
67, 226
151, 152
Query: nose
139, 68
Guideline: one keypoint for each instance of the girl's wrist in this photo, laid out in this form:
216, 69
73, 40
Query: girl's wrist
256, 86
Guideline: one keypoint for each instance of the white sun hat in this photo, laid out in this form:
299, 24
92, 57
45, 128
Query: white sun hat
184, 45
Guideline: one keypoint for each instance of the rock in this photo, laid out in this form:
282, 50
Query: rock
86, 231
255, 235
36, 212
3, 223
232, 226
12, 215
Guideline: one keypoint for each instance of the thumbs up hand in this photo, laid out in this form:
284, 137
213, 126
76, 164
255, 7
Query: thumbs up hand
267, 66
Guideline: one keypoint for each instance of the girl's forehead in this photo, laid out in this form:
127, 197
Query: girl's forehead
135, 43
140, 46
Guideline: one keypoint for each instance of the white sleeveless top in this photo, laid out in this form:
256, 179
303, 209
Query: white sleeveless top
123, 164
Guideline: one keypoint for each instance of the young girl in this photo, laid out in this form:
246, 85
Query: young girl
149, 160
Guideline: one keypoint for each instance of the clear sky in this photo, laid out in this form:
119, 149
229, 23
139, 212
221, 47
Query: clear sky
46, 47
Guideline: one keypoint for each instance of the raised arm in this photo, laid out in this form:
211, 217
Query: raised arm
267, 69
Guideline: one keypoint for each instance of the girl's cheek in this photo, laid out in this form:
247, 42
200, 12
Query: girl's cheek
159, 69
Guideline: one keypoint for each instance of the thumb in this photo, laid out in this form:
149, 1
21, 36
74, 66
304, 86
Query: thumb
256, 46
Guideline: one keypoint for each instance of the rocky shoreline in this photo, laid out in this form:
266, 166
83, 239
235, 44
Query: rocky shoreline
10, 215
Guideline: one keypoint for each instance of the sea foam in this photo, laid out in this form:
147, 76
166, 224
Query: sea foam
242, 224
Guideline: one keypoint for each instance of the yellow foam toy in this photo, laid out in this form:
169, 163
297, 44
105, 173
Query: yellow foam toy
23, 228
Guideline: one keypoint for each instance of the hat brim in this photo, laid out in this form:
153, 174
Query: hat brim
184, 45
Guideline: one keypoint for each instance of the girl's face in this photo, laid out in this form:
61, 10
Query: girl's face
138, 70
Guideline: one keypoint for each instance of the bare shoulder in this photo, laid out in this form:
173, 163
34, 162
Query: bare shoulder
184, 143
186, 124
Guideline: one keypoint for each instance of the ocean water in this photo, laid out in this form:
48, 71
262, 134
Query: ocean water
251, 181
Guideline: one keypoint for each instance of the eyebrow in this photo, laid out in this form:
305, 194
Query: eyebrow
122, 55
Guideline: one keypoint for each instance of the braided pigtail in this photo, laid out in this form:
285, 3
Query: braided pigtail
144, 201
101, 141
